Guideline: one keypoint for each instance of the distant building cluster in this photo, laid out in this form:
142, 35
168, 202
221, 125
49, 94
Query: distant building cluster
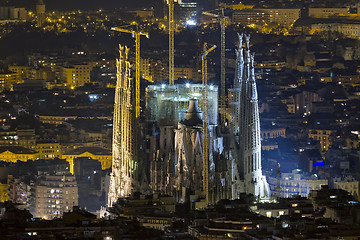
13, 13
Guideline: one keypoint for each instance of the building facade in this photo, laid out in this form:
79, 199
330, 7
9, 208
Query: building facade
76, 76
101, 155
296, 183
323, 136
7, 80
326, 12
349, 29
261, 16
49, 150
17, 153
55, 195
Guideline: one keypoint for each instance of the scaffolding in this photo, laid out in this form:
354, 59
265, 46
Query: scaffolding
171, 39
167, 105
205, 142
222, 19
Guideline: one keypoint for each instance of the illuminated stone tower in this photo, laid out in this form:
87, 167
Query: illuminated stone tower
246, 124
124, 164
40, 12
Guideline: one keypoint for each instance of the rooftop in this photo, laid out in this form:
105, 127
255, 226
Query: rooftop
16, 150
92, 150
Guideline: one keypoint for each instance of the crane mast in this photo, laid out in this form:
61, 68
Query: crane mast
222, 84
171, 39
137, 35
137, 74
171, 42
205, 143
222, 19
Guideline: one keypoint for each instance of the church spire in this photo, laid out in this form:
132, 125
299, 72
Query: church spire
246, 123
124, 157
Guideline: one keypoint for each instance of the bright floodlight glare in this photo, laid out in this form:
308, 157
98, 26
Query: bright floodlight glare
190, 22
187, 85
163, 85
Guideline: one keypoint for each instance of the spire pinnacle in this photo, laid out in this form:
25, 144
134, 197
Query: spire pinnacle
240, 36
247, 39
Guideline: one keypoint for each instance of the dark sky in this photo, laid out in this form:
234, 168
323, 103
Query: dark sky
97, 4
82, 4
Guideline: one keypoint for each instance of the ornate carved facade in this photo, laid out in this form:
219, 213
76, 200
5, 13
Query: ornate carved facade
246, 124
124, 153
174, 137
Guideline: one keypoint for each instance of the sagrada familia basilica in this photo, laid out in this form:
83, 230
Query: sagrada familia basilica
164, 153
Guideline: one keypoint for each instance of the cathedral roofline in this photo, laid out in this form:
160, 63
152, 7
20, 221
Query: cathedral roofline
193, 117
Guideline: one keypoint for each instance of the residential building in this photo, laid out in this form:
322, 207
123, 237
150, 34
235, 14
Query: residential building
348, 29
296, 183
55, 195
323, 136
22, 72
76, 75
329, 197
22, 137
19, 191
326, 12
346, 183
7, 80
261, 16
304, 100
187, 73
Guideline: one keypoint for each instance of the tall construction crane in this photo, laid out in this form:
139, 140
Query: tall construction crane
135, 34
222, 19
171, 39
206, 51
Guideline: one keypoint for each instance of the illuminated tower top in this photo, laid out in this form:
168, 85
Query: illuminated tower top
40, 7
40, 12
193, 115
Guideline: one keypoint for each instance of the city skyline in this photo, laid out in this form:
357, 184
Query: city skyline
190, 121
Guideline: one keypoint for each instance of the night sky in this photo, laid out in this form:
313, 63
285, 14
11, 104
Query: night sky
82, 4
64, 5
